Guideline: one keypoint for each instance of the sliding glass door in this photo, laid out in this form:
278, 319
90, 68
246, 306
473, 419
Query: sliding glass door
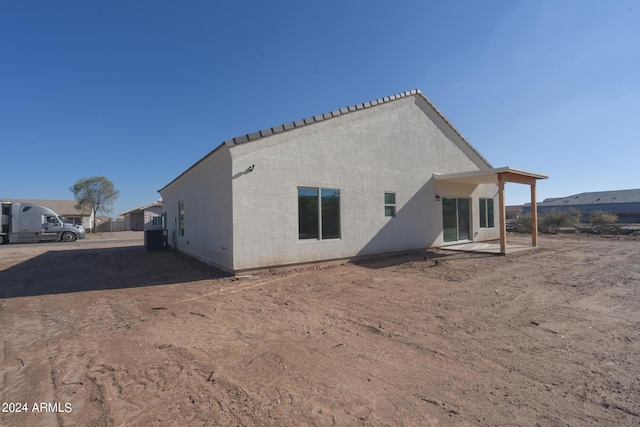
455, 219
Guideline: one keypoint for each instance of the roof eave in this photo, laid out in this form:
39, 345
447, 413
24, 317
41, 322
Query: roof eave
486, 176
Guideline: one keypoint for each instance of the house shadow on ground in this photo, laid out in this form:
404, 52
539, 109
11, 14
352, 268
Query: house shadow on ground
81, 270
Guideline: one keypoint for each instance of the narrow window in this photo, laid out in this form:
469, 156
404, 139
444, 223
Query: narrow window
483, 213
181, 214
308, 213
390, 204
330, 214
490, 216
486, 213
318, 213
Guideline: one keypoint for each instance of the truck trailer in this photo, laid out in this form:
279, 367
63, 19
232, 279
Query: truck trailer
26, 222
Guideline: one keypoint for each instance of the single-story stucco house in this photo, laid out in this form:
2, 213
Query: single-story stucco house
386, 176
145, 217
624, 203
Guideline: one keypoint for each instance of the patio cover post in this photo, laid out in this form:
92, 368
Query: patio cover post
503, 215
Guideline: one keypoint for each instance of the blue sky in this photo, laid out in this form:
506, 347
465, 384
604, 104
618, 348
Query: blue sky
138, 91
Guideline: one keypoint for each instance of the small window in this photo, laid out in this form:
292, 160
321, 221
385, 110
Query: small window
486, 213
318, 213
390, 204
26, 208
181, 215
156, 220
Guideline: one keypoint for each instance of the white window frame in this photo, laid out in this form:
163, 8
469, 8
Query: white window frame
393, 205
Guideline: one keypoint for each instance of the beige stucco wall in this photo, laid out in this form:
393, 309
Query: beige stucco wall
394, 147
205, 190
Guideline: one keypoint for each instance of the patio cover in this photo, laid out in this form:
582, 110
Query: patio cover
500, 176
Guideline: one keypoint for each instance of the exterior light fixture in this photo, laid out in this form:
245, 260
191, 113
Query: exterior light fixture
437, 197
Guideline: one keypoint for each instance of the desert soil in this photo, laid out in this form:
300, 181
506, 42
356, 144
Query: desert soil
106, 335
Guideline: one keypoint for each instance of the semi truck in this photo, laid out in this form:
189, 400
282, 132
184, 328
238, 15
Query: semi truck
27, 222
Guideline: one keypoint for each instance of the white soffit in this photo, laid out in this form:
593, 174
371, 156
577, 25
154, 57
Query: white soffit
489, 176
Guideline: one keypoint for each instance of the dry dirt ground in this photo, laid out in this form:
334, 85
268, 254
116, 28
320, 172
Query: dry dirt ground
106, 335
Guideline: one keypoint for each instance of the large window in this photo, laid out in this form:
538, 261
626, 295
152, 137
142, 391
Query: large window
486, 213
318, 213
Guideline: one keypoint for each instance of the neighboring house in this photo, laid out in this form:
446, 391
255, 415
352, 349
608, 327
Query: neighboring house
145, 217
389, 175
624, 203
65, 208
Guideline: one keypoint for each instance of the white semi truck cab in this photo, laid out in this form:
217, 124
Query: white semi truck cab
26, 222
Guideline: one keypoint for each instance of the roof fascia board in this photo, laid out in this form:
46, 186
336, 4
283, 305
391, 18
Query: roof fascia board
453, 128
486, 176
211, 153
242, 139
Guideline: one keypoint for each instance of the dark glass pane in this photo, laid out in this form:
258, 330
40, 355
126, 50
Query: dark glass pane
389, 211
490, 215
307, 213
330, 214
389, 198
483, 213
181, 214
449, 219
463, 219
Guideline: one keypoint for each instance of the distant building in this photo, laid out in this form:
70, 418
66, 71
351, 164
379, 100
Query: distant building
624, 203
145, 217
514, 211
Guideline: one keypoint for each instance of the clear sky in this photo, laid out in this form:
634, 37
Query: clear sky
138, 91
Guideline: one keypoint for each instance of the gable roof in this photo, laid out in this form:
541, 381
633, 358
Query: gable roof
341, 112
61, 207
595, 198
253, 136
154, 204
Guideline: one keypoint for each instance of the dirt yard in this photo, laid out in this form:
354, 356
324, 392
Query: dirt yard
99, 333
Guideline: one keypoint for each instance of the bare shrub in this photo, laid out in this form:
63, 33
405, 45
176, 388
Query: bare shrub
552, 220
522, 224
548, 222
602, 217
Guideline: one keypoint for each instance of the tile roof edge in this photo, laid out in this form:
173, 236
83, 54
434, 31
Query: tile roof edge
143, 207
322, 117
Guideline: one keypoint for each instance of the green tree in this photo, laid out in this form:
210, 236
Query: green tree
96, 193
